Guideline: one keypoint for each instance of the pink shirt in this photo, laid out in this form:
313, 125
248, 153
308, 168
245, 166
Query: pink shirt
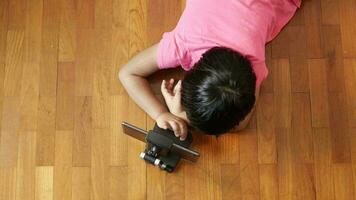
243, 25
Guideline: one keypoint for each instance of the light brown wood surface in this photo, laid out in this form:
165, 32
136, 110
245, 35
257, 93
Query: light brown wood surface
61, 106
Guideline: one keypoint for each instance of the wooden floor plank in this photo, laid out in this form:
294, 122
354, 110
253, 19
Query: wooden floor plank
297, 45
286, 183
304, 180
282, 93
334, 60
26, 163
9, 132
350, 86
312, 17
82, 132
103, 18
45, 140
85, 62
330, 12
62, 182
100, 164
230, 181
299, 74
17, 14
348, 29
343, 182
174, 186
32, 55
268, 181
14, 62
353, 154
249, 172
280, 44
267, 149
228, 151
204, 176
4, 15
318, 93
120, 33
65, 101
3, 44
81, 183
302, 128
137, 188
118, 183
323, 164
100, 112
8, 183
85, 13
339, 128
118, 141
44, 183
49, 53
61, 107
67, 31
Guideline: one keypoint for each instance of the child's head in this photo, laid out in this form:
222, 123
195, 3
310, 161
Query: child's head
219, 91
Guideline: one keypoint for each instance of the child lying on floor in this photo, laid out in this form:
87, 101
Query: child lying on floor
221, 45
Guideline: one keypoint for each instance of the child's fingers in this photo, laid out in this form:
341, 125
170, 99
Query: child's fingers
163, 125
174, 127
167, 93
164, 87
178, 87
183, 129
170, 85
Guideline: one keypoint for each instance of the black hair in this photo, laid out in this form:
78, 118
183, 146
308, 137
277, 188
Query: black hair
219, 91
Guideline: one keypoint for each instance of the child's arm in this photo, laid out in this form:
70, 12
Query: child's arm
243, 124
133, 77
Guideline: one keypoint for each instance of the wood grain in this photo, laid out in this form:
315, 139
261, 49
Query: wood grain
62, 182
350, 86
9, 132
268, 181
343, 182
8, 183
348, 30
65, 101
324, 182
46, 131
302, 129
267, 149
81, 183
26, 166
82, 132
61, 108
14, 62
318, 93
44, 183
67, 31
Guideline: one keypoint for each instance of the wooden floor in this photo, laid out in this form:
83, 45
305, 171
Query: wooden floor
61, 107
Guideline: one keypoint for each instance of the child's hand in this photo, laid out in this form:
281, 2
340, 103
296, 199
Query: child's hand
178, 125
172, 96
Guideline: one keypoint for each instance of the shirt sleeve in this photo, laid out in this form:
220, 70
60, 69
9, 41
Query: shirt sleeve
171, 52
167, 56
261, 72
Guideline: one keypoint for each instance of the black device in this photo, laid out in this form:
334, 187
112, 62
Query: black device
163, 148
